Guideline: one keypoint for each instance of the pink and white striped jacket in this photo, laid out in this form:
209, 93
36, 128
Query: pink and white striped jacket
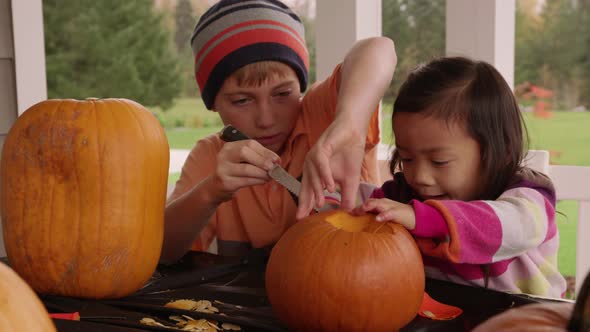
509, 244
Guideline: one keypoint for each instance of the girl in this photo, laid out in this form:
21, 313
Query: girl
458, 186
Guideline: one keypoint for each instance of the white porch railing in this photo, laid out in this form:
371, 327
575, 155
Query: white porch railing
573, 183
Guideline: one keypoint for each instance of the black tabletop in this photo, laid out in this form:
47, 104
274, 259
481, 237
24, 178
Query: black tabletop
236, 287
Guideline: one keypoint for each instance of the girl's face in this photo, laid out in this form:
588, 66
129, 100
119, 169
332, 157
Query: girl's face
439, 159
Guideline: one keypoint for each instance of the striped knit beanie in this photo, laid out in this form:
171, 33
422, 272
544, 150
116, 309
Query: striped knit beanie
234, 33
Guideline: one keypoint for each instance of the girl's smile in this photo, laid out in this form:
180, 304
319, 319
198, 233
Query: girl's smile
440, 197
440, 160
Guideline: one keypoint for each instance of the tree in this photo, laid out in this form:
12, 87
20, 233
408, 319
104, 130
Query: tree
418, 30
552, 49
584, 57
309, 26
528, 46
184, 20
303, 10
561, 49
109, 48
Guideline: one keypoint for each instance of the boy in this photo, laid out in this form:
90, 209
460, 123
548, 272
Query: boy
251, 66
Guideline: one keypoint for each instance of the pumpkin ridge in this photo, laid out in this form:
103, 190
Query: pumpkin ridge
406, 278
318, 300
31, 160
61, 278
120, 219
100, 199
21, 251
63, 286
8, 225
102, 133
130, 266
125, 201
353, 237
51, 196
316, 274
329, 297
136, 247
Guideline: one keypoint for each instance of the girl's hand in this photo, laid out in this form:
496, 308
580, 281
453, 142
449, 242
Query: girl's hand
334, 161
388, 210
241, 164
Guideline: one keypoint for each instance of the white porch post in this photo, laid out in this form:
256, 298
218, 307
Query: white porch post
339, 23
22, 64
483, 30
29, 53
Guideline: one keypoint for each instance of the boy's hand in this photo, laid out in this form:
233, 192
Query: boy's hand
388, 210
241, 164
335, 159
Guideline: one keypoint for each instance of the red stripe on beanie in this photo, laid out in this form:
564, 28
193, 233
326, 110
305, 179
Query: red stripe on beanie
243, 24
245, 38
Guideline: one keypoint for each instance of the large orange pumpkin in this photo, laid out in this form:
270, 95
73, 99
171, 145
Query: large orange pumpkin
83, 190
20, 308
337, 272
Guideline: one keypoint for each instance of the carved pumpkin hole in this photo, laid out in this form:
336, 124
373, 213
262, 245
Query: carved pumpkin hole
350, 223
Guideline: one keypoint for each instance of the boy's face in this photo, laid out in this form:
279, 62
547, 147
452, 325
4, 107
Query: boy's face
265, 112
439, 160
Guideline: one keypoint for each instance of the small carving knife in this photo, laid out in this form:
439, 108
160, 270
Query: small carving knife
279, 174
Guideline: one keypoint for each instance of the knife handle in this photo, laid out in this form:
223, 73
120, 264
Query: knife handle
230, 134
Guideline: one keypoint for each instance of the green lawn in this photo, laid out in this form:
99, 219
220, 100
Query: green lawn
185, 123
567, 223
185, 138
187, 113
566, 135
172, 178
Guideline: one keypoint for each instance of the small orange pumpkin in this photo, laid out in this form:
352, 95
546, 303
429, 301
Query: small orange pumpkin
548, 317
333, 271
20, 308
82, 196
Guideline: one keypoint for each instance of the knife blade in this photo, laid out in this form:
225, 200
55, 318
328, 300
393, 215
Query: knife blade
231, 134
285, 179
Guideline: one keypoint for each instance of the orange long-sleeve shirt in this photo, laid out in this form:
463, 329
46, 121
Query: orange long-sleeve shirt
258, 215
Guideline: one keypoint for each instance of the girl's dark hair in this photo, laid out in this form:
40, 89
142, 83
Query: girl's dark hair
457, 89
